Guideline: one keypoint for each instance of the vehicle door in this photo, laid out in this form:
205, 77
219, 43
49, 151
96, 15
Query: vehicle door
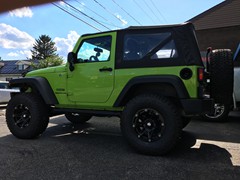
92, 79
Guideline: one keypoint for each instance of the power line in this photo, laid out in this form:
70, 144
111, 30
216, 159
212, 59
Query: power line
153, 12
118, 18
154, 5
112, 24
86, 15
76, 17
126, 12
143, 10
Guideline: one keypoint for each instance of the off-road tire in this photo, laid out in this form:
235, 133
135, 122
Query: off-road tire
221, 76
221, 82
151, 124
26, 116
77, 118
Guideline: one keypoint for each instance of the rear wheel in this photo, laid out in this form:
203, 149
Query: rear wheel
77, 118
26, 116
151, 124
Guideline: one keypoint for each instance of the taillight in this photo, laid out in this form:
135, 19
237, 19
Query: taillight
200, 74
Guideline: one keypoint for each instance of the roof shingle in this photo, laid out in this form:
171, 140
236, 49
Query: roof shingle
11, 67
225, 14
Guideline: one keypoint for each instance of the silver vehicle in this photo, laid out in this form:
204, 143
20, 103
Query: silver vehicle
5, 92
236, 90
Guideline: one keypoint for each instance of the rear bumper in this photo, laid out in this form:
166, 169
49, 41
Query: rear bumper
197, 106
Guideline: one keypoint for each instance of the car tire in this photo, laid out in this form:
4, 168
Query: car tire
151, 124
220, 113
221, 76
221, 84
26, 116
77, 118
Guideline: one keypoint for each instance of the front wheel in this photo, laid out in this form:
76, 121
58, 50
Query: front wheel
151, 124
26, 116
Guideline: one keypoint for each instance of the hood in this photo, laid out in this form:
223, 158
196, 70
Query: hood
44, 71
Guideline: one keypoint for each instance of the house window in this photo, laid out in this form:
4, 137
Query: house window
20, 67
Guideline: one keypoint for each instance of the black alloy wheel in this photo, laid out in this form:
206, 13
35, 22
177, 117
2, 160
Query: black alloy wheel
27, 115
21, 116
148, 124
151, 124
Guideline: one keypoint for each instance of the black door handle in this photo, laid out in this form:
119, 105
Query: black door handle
105, 69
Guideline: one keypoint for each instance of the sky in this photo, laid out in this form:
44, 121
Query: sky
21, 27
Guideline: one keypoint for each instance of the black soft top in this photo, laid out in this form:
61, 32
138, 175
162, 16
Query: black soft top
184, 35
159, 26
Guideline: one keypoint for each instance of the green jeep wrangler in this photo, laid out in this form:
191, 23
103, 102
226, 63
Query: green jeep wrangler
153, 78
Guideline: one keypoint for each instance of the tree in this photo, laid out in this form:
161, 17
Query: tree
48, 62
43, 48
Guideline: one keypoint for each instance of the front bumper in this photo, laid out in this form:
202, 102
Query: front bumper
197, 106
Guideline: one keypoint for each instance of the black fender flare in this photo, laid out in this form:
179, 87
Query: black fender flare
40, 84
172, 80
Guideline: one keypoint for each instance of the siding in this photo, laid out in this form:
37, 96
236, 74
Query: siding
224, 14
219, 38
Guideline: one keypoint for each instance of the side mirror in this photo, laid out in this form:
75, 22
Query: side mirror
71, 59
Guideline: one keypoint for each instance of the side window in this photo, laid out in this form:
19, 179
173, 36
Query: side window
167, 51
3, 85
95, 49
157, 45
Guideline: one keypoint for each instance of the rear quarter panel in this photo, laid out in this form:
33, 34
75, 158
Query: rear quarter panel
123, 76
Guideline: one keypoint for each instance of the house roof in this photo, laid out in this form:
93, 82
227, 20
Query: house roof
22, 62
11, 67
225, 14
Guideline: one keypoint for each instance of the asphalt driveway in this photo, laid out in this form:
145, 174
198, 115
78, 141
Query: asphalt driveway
97, 150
